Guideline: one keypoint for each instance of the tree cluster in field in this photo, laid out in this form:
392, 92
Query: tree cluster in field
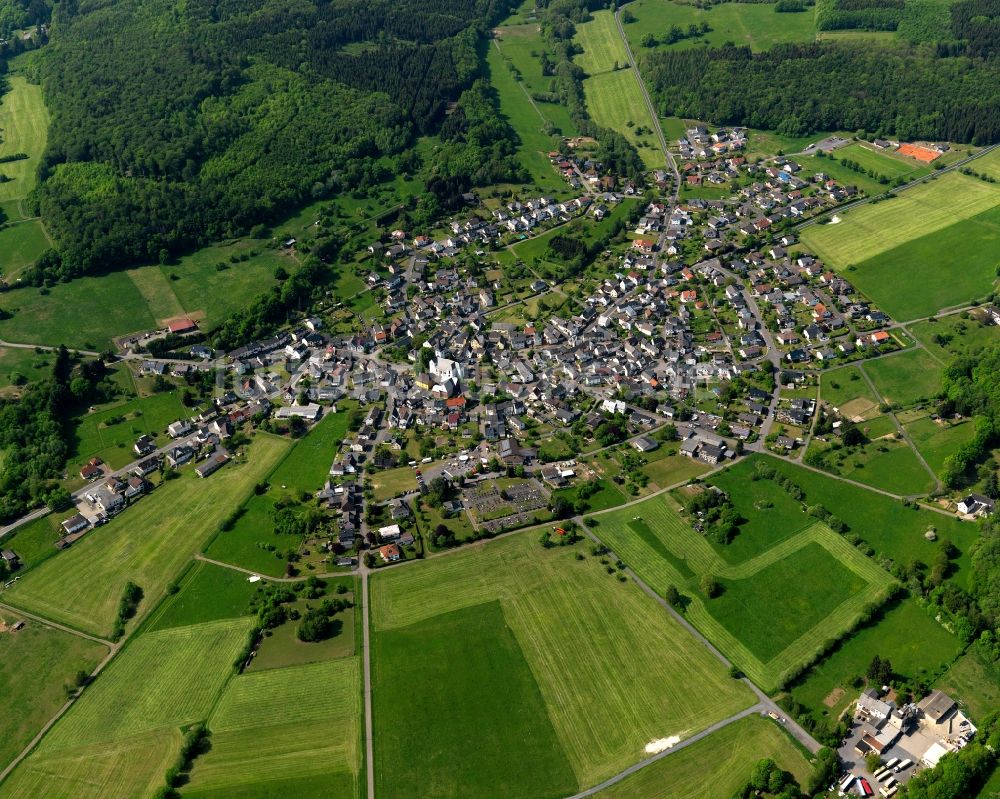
6, 159
767, 779
195, 742
127, 607
678, 34
35, 429
900, 91
318, 623
263, 111
717, 515
867, 15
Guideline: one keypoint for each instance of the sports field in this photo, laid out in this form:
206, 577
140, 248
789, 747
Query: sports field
35, 663
938, 234
769, 619
285, 732
907, 378
599, 668
602, 45
756, 25
118, 739
915, 644
147, 544
716, 767
614, 99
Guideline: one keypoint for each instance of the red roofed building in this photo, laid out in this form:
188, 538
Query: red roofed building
182, 325
644, 245
389, 553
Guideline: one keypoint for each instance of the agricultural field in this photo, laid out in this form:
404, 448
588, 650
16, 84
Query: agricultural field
939, 233
285, 732
110, 432
36, 662
767, 619
728, 755
890, 528
78, 313
24, 126
119, 738
206, 593
603, 48
304, 469
976, 686
614, 101
147, 544
907, 378
757, 25
21, 244
915, 644
467, 642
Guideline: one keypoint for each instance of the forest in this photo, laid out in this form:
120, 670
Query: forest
894, 90
174, 125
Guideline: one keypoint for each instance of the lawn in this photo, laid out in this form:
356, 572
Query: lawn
976, 686
766, 633
147, 544
286, 732
35, 541
758, 26
939, 234
667, 467
614, 101
716, 767
606, 496
906, 379
129, 717
602, 46
915, 644
24, 122
389, 483
599, 668
206, 593
35, 663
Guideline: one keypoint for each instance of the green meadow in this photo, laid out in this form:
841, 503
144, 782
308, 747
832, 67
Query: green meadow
907, 378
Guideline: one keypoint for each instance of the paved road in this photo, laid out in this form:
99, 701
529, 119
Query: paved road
655, 117
758, 708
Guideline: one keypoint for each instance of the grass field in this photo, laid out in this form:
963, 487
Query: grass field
602, 46
762, 622
907, 378
390, 482
21, 244
950, 335
110, 432
728, 755
304, 469
606, 496
937, 440
938, 233
848, 391
757, 25
467, 627
35, 663
148, 544
130, 717
614, 100
671, 467
916, 645
976, 686
24, 125
16, 364
285, 732
207, 593
35, 541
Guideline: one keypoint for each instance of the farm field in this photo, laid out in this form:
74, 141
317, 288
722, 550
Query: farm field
285, 732
78, 314
907, 378
148, 544
938, 233
21, 244
884, 523
728, 755
937, 440
614, 99
207, 593
757, 26
602, 46
461, 636
24, 121
35, 663
767, 634
516, 106
130, 717
916, 645
973, 684
304, 468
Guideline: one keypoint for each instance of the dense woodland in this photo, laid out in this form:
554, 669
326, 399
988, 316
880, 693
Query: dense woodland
798, 89
174, 125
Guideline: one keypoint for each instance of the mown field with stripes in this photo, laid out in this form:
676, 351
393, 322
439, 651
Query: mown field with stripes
292, 731
119, 738
751, 616
613, 671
